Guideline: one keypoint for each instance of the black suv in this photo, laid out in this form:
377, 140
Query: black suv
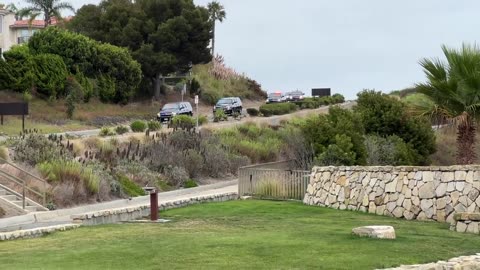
229, 105
169, 110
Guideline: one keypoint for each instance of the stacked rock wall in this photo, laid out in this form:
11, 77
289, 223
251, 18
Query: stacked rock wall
423, 193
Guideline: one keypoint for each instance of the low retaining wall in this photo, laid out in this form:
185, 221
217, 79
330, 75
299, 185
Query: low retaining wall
423, 193
136, 212
460, 263
37, 232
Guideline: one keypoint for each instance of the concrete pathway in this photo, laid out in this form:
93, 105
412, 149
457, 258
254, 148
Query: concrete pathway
62, 216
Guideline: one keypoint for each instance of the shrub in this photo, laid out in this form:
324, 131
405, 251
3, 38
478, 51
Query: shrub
340, 133
4, 152
190, 184
202, 120
385, 116
216, 160
253, 112
192, 161
183, 122
129, 187
137, 172
220, 116
138, 126
70, 171
106, 131
2, 212
36, 148
391, 151
277, 108
309, 103
338, 98
121, 130
176, 175
154, 125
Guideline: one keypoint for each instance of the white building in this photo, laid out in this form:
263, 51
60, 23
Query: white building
13, 32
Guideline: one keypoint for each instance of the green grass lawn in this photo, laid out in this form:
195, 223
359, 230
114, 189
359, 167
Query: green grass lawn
241, 235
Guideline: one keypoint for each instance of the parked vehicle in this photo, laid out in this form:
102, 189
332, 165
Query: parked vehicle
169, 110
229, 105
294, 96
275, 97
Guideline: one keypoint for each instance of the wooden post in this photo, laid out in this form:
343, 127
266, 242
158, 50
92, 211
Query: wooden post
23, 123
1, 119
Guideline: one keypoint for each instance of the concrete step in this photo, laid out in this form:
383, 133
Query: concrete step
3, 192
31, 208
9, 197
19, 203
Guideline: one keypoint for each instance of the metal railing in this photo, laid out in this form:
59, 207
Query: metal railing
20, 184
273, 183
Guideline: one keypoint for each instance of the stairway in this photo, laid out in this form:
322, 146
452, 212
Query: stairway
14, 200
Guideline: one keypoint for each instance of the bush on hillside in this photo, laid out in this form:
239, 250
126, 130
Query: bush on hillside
183, 122
36, 148
277, 109
129, 187
138, 126
336, 138
121, 130
202, 120
220, 115
385, 116
4, 153
154, 125
253, 112
190, 184
106, 131
391, 151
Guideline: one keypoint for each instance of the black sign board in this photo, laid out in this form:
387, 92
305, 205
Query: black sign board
321, 92
14, 108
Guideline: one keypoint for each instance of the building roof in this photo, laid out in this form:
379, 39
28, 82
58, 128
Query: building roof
36, 23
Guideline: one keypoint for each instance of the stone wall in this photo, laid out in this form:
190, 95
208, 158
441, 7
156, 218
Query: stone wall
423, 193
135, 212
458, 263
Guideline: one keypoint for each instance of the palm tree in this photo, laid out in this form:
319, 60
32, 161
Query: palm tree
217, 13
453, 88
49, 9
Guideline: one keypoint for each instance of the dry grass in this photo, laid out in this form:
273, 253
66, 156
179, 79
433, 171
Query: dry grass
447, 147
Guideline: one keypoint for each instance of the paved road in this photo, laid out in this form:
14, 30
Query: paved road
273, 120
62, 216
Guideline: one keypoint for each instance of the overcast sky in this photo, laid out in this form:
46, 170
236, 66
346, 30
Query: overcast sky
347, 45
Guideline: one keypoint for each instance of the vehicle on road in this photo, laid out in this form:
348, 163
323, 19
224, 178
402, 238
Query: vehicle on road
170, 110
294, 96
229, 105
275, 97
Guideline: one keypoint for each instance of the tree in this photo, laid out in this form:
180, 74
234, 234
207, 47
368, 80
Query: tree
385, 116
49, 9
336, 138
164, 36
217, 13
118, 75
454, 89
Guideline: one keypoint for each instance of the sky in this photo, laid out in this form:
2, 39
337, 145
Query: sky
346, 45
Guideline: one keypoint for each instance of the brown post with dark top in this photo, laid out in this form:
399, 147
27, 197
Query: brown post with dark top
154, 205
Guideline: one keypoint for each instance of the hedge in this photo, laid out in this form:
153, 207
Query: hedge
277, 108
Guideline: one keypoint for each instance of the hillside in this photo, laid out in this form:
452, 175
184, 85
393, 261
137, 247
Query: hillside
222, 81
